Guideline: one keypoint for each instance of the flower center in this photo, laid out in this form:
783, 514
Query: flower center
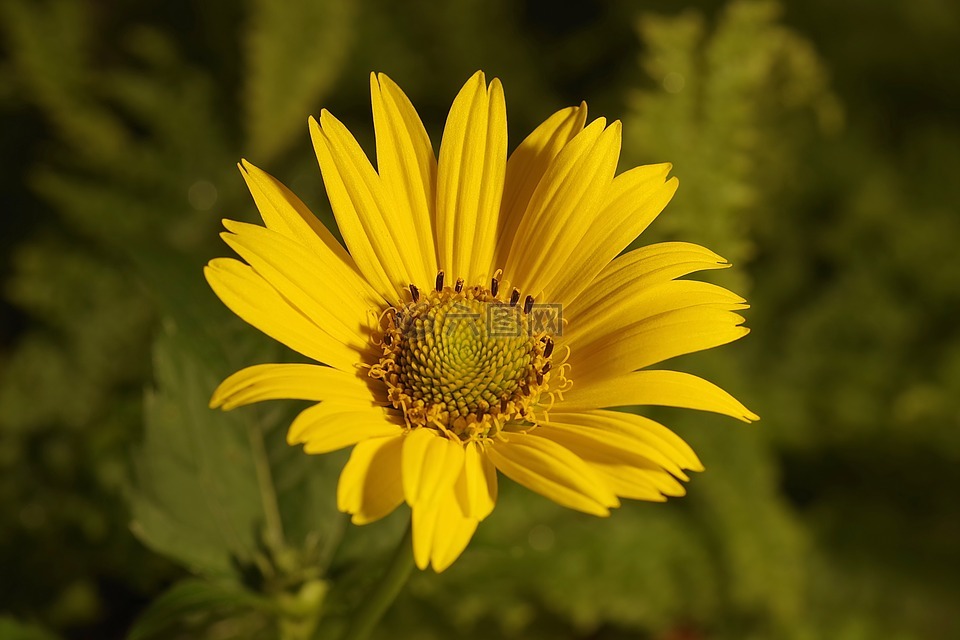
462, 361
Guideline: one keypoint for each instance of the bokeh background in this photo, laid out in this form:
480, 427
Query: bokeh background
818, 147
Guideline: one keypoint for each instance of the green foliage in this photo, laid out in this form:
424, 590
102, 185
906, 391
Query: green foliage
725, 112
10, 629
206, 603
197, 498
291, 67
184, 522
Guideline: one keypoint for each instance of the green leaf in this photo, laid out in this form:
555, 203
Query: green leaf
197, 498
222, 490
11, 629
206, 600
295, 51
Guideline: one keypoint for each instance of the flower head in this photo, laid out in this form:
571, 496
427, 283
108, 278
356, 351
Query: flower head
480, 318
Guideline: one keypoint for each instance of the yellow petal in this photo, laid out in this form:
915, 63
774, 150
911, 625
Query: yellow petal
453, 531
552, 471
407, 165
291, 381
526, 166
592, 441
424, 523
615, 457
612, 453
332, 301
379, 239
637, 301
641, 428
441, 531
473, 158
431, 463
652, 340
369, 486
563, 207
478, 482
643, 268
330, 426
662, 388
637, 484
285, 213
632, 201
249, 296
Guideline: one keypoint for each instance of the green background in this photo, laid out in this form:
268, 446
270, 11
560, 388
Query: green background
818, 148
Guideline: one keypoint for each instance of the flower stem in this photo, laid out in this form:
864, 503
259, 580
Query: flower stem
385, 592
268, 493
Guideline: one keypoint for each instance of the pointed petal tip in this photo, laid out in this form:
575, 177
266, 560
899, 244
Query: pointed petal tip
230, 225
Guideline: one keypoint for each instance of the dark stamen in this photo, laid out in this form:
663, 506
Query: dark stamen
539, 378
547, 350
494, 287
514, 297
439, 281
527, 304
387, 339
545, 369
415, 292
459, 286
503, 405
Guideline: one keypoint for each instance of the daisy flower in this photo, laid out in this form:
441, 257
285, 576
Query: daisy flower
480, 320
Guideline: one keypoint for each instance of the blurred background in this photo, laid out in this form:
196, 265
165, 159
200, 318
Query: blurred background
818, 147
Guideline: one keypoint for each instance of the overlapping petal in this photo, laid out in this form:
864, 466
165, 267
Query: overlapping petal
636, 301
285, 213
294, 382
477, 485
370, 486
441, 530
553, 471
526, 167
408, 170
659, 438
431, 463
473, 158
642, 268
632, 201
252, 298
647, 341
333, 425
336, 302
563, 207
382, 239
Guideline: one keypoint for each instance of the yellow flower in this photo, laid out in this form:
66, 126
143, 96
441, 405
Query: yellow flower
482, 320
